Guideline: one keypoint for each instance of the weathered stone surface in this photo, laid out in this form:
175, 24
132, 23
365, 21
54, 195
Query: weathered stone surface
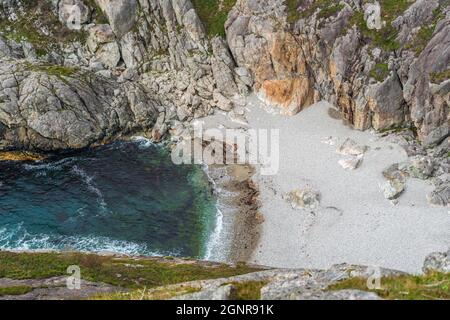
421, 167
440, 197
66, 109
392, 189
273, 56
121, 14
323, 57
73, 13
55, 289
351, 148
438, 261
351, 163
385, 101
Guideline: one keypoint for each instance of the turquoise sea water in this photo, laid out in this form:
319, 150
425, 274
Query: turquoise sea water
127, 197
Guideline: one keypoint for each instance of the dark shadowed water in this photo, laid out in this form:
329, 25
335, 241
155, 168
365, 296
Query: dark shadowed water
127, 197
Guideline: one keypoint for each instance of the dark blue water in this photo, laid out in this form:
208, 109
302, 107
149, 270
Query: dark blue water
127, 197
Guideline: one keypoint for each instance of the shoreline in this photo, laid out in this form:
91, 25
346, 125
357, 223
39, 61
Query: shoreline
238, 204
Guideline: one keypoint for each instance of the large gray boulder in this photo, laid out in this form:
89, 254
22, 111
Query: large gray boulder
121, 14
46, 108
437, 261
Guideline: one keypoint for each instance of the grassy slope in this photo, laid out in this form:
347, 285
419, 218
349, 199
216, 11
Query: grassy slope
432, 286
123, 272
213, 14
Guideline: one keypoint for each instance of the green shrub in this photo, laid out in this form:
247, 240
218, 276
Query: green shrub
213, 14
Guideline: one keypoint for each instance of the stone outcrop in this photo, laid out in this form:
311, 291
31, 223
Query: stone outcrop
55, 108
437, 262
150, 60
294, 284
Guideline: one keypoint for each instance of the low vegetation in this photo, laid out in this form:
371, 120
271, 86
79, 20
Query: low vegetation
53, 70
432, 286
145, 294
213, 14
39, 16
297, 9
426, 32
14, 291
122, 272
380, 71
386, 37
440, 77
250, 290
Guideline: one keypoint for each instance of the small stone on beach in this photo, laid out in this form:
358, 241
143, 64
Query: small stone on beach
304, 199
351, 148
351, 163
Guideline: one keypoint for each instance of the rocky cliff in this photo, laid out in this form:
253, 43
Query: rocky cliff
384, 63
80, 72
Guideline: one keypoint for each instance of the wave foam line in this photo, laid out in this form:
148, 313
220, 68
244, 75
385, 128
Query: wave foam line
89, 181
213, 243
18, 238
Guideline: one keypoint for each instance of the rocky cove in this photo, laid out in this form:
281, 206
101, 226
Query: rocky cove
360, 90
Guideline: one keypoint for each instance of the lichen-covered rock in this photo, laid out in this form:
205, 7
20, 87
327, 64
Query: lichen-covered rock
392, 189
421, 167
306, 199
351, 148
73, 13
52, 108
437, 262
121, 14
440, 197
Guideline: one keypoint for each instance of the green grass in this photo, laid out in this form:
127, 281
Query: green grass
380, 71
440, 76
123, 272
97, 16
407, 287
14, 291
425, 34
145, 294
25, 28
54, 70
213, 15
386, 37
250, 290
327, 9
